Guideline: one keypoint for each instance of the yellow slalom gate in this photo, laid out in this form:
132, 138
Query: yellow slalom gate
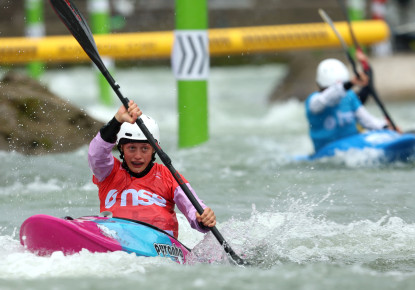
158, 45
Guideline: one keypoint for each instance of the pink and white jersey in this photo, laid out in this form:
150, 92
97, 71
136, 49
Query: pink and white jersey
150, 198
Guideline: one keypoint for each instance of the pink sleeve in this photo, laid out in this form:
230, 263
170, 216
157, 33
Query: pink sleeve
100, 158
186, 207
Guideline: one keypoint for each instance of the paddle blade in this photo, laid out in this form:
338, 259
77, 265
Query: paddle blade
328, 20
77, 25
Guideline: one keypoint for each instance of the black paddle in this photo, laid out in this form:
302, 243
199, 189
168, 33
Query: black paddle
78, 26
328, 20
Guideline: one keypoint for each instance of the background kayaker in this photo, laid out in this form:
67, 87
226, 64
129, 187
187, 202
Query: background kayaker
138, 188
335, 111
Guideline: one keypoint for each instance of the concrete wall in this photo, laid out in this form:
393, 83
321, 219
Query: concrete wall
154, 15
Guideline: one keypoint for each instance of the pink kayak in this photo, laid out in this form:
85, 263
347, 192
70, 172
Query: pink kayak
44, 234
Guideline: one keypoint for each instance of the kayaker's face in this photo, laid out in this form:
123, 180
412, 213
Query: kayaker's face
137, 156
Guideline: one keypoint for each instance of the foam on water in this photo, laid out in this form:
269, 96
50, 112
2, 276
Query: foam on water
37, 185
297, 236
84, 264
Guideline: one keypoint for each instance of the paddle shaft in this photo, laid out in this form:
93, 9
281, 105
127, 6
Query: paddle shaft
365, 65
78, 27
328, 20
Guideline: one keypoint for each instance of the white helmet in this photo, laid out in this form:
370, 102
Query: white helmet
130, 131
331, 71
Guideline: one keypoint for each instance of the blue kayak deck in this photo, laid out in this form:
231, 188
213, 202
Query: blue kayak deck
392, 146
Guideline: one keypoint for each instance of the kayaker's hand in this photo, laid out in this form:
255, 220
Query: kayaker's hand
361, 81
208, 218
129, 116
389, 126
361, 56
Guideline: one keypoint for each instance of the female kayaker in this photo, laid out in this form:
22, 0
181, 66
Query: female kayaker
137, 187
334, 111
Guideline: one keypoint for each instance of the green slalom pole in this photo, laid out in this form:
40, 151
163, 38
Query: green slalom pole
356, 11
190, 62
34, 27
99, 11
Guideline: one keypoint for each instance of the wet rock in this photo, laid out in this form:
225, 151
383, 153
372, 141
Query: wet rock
35, 121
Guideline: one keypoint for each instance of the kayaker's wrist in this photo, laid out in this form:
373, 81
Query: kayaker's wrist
347, 85
110, 130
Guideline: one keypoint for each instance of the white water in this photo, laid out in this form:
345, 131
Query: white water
345, 224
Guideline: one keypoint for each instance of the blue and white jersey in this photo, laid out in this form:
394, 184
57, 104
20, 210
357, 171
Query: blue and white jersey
333, 122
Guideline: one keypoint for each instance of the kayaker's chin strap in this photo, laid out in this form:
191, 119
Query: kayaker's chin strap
140, 174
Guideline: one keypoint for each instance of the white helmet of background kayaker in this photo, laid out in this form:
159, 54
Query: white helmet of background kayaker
331, 71
132, 133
